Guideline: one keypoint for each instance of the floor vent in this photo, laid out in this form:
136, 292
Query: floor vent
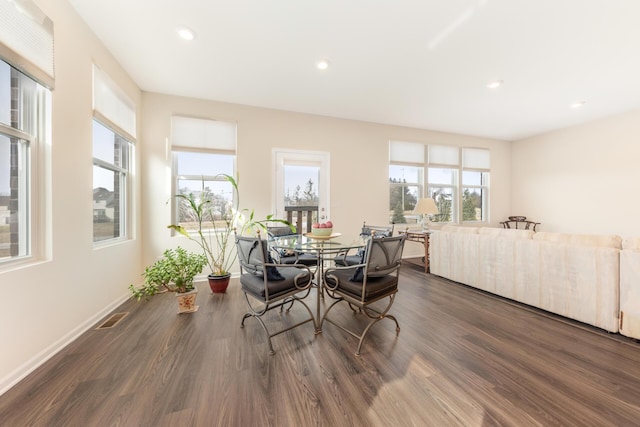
112, 321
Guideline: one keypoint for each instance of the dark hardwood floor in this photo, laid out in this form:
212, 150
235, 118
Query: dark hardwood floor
463, 358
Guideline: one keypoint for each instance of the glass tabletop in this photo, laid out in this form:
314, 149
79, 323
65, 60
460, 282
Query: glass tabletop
303, 243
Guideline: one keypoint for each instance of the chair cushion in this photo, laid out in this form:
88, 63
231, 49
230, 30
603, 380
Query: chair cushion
376, 286
255, 285
305, 259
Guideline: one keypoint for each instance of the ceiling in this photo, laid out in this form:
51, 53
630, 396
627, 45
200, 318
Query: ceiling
416, 63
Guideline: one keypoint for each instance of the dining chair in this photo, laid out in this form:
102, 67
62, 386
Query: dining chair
344, 259
373, 280
268, 285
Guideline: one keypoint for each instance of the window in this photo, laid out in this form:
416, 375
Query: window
457, 179
406, 177
443, 181
475, 184
111, 160
26, 78
24, 108
113, 150
203, 150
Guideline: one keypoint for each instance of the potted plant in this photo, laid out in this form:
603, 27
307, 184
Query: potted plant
214, 226
174, 272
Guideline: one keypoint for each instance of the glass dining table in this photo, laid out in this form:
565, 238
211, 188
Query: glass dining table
325, 248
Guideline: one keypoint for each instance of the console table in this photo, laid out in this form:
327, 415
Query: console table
420, 237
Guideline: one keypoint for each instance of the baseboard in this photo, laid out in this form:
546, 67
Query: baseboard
32, 364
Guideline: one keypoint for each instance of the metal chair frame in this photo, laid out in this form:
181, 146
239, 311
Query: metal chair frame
270, 302
391, 248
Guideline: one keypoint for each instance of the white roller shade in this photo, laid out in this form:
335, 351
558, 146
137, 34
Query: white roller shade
406, 152
444, 155
110, 103
189, 132
476, 158
26, 39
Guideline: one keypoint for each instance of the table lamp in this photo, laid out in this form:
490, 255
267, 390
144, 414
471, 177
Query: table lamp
425, 207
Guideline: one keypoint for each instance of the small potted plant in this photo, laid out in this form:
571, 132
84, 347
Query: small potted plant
214, 229
174, 272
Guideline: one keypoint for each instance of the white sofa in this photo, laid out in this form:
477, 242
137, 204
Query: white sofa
576, 276
630, 288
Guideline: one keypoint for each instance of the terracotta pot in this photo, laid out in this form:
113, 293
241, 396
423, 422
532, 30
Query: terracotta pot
218, 284
187, 301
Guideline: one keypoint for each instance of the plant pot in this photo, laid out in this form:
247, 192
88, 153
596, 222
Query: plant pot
218, 284
187, 301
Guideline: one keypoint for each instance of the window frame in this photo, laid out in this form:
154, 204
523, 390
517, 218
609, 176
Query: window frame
176, 178
199, 135
33, 133
125, 185
450, 158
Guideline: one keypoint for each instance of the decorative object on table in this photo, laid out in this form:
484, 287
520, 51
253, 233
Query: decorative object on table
214, 230
319, 237
269, 284
425, 207
174, 272
322, 228
371, 281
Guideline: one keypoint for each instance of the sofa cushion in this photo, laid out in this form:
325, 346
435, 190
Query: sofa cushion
631, 243
601, 240
509, 233
458, 229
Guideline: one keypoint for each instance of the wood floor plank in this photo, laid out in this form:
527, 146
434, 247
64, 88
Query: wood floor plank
463, 358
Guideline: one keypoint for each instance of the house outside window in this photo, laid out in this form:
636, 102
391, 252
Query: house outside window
203, 152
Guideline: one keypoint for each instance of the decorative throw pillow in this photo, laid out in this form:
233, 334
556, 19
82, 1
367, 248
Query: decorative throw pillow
272, 272
358, 275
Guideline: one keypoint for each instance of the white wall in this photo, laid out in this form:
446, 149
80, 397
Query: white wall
583, 179
359, 162
47, 304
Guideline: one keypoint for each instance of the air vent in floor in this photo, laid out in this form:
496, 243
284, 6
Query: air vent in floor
112, 321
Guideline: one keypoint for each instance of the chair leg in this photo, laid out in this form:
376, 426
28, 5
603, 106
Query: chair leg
267, 307
370, 312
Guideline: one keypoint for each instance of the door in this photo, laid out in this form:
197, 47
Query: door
301, 183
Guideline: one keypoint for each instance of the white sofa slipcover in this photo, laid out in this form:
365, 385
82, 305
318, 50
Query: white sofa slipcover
630, 288
576, 276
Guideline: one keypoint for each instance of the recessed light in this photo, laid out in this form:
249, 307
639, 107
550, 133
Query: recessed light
322, 65
185, 33
494, 84
578, 104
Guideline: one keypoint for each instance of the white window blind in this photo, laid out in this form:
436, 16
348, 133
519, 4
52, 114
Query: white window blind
112, 105
26, 39
444, 155
193, 133
476, 158
406, 152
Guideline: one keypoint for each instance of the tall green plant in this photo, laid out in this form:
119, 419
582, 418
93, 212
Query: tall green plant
215, 237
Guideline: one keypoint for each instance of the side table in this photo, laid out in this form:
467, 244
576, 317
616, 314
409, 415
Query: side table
420, 237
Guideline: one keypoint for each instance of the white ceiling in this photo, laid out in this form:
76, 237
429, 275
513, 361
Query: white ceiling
417, 63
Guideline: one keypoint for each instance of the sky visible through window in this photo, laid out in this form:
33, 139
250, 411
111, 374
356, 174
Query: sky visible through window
295, 176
